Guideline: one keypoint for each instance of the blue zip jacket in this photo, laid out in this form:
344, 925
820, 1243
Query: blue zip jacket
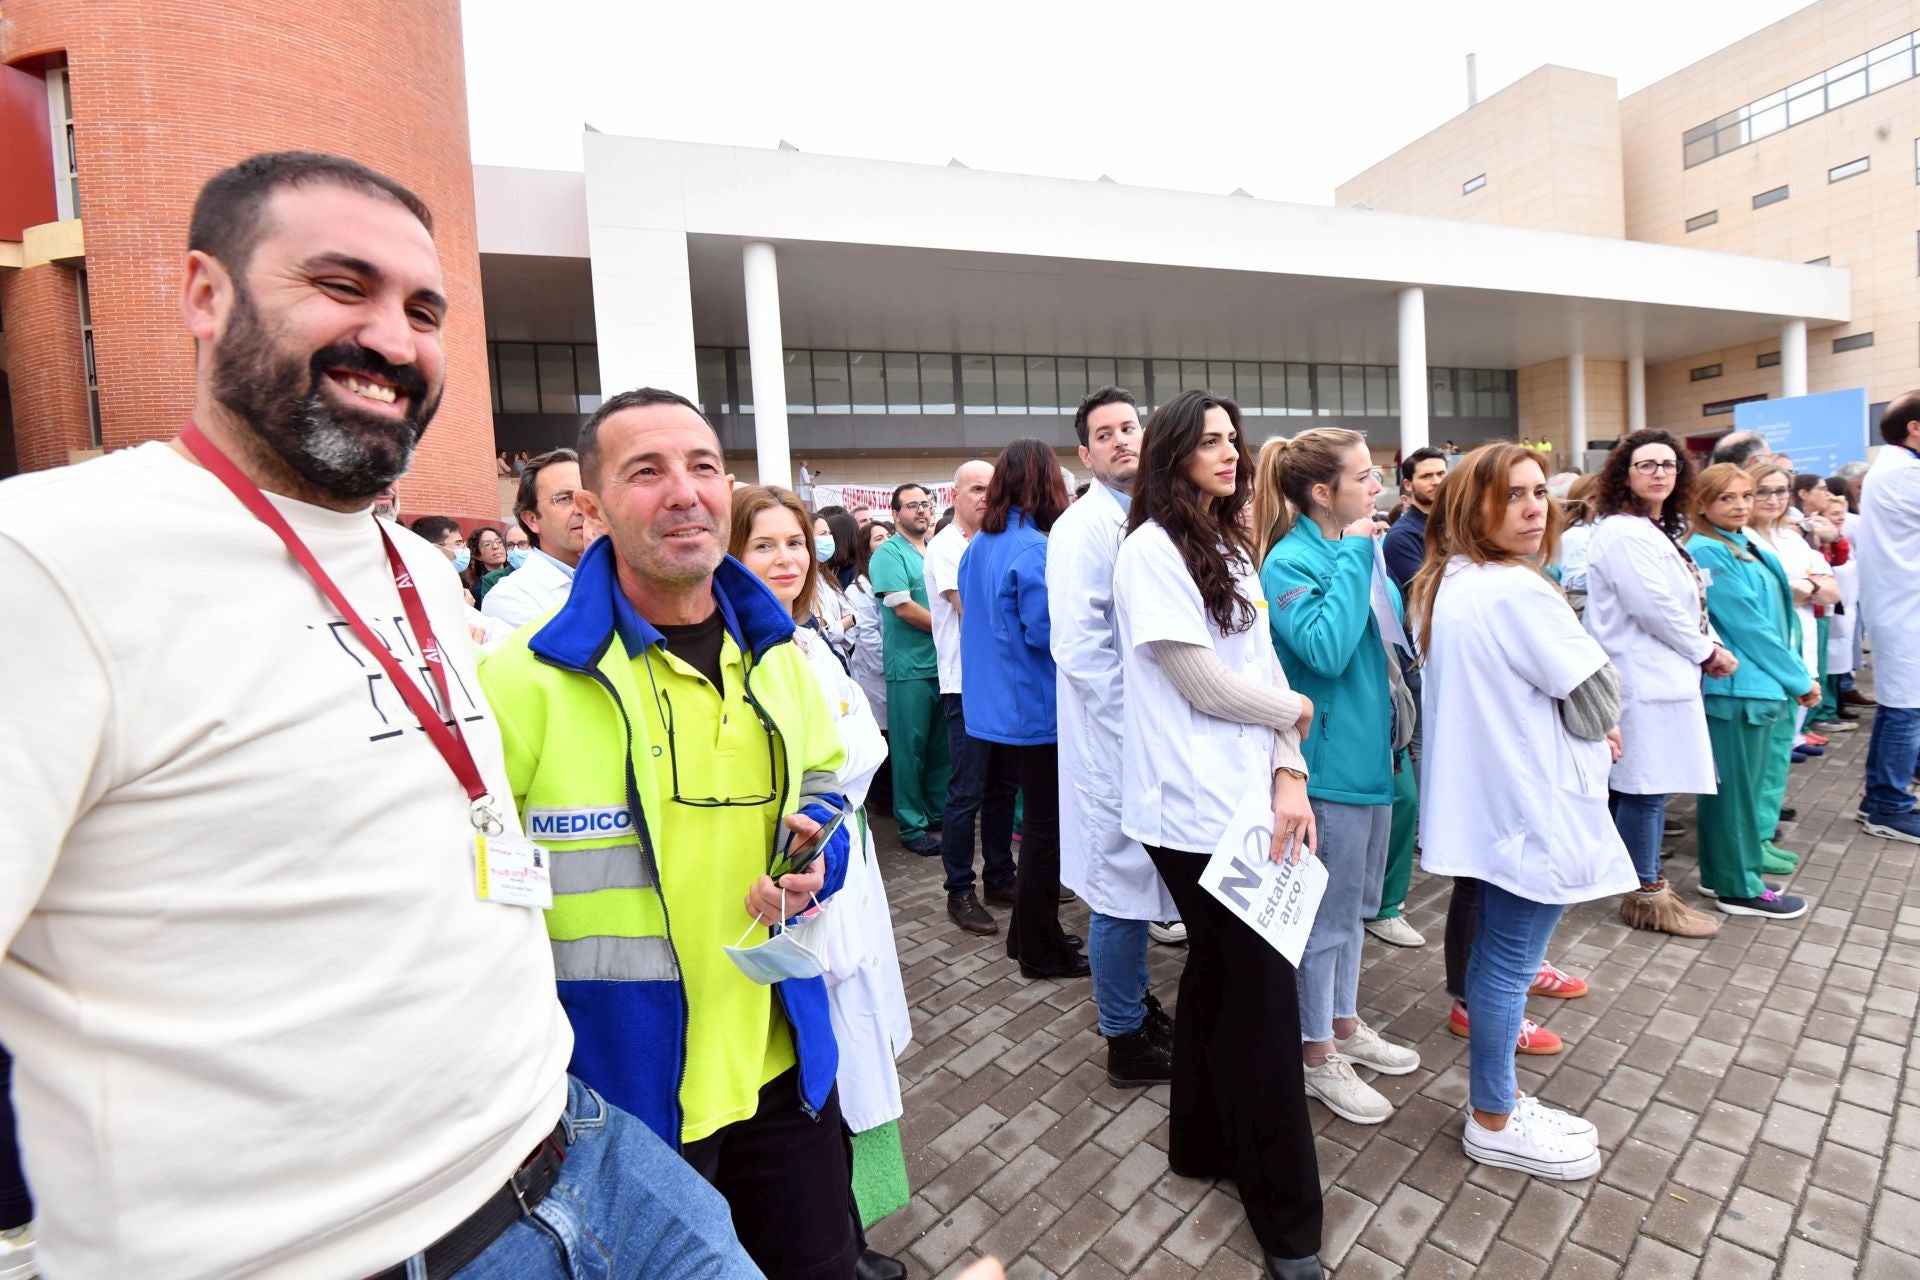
1005, 632
1320, 610
1754, 620
562, 693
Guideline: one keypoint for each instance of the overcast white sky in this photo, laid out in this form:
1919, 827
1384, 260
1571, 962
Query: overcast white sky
1286, 99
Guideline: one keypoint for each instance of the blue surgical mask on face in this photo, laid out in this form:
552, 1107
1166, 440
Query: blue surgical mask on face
461, 559
516, 556
823, 547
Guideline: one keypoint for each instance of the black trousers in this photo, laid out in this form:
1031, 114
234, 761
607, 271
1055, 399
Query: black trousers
1463, 918
1034, 935
789, 1182
16, 1205
1239, 1106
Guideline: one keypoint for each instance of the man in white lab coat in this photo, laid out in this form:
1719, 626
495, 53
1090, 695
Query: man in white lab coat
545, 508
1889, 551
1098, 860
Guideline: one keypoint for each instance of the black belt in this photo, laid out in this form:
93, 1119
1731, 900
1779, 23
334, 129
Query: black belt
513, 1201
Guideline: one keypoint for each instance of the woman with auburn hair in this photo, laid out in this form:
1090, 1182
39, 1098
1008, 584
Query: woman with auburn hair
1521, 708
1750, 711
1005, 629
1209, 721
1647, 606
1320, 580
866, 998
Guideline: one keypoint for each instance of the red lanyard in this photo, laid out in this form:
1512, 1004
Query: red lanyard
444, 733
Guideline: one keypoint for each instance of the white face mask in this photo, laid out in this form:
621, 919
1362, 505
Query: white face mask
793, 952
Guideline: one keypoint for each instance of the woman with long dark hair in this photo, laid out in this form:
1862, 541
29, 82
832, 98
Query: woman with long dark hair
1209, 719
1521, 710
487, 551
1005, 629
1647, 606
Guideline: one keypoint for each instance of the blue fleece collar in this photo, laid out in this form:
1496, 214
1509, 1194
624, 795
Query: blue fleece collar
597, 610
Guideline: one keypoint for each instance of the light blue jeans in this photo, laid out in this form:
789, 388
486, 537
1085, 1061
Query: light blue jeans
1353, 845
1508, 946
1117, 954
626, 1206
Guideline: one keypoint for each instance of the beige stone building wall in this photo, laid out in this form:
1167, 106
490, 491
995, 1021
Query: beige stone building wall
1544, 411
1868, 224
1548, 145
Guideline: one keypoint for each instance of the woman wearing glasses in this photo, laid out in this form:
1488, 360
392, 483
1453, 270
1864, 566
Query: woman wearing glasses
1647, 606
866, 997
489, 552
1209, 720
1749, 712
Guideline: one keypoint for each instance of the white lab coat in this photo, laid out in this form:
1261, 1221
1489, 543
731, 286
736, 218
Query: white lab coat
535, 589
868, 660
1889, 551
1184, 773
1644, 607
1098, 860
1507, 794
866, 996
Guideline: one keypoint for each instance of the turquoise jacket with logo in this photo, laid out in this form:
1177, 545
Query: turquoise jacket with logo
580, 756
1320, 610
1754, 620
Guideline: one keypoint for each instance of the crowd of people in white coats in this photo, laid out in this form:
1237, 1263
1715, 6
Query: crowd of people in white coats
353, 930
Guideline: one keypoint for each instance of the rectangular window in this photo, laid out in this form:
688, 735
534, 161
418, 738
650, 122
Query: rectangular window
519, 383
1767, 360
903, 382
1102, 373
976, 383
936, 384
1853, 342
1704, 372
1699, 220
586, 375
1883, 68
1718, 407
1166, 381
1473, 184
710, 371
1132, 375
1010, 384
1073, 382
493, 374
1220, 379
1043, 386
1193, 374
66, 181
743, 377
1440, 392
1377, 403
556, 379
830, 393
868, 380
1766, 198
1840, 172
93, 373
799, 366
1246, 384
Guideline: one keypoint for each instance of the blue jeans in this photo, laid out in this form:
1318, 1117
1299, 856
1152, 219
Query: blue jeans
1508, 947
1642, 824
1353, 845
968, 798
626, 1206
1892, 754
1117, 954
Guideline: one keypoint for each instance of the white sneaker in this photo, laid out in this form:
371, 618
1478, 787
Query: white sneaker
1396, 932
1533, 1144
16, 1253
1565, 1121
1346, 1094
1169, 932
1366, 1048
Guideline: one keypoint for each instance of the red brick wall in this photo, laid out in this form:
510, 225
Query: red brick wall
46, 364
166, 94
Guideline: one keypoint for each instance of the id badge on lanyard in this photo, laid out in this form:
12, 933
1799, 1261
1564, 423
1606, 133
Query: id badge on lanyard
507, 870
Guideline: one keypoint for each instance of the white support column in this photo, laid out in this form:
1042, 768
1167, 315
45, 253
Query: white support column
1636, 393
1576, 409
766, 357
1413, 369
1793, 358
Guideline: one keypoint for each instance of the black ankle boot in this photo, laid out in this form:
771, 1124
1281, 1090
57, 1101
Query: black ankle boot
1307, 1268
1136, 1059
1159, 1023
878, 1266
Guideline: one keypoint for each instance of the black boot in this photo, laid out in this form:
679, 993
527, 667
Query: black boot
878, 1266
1159, 1023
1134, 1060
1307, 1268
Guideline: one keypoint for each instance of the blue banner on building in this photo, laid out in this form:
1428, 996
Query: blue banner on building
1821, 433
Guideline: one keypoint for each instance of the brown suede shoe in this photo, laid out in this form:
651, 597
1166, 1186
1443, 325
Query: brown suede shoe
1659, 910
965, 910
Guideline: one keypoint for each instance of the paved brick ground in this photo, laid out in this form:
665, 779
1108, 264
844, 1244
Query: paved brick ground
1753, 1095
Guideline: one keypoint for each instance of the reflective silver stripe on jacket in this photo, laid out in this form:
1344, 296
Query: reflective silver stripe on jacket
601, 959
589, 870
